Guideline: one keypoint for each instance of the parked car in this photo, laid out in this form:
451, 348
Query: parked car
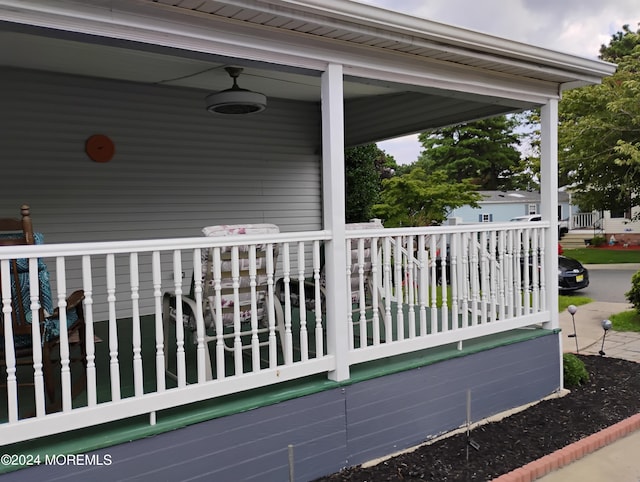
528, 217
563, 225
571, 274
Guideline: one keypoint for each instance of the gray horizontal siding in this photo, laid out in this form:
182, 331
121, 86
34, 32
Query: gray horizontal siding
176, 167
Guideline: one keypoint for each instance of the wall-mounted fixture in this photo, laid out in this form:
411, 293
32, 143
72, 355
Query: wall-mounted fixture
235, 101
99, 148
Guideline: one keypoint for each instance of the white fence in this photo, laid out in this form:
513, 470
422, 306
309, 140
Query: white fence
411, 289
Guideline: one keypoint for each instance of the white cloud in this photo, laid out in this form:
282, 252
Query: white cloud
576, 27
405, 150
573, 26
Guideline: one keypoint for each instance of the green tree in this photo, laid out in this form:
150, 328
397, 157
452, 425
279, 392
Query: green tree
484, 152
421, 199
365, 167
599, 132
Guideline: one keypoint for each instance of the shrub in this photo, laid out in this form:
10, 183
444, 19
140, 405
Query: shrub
574, 371
597, 241
633, 295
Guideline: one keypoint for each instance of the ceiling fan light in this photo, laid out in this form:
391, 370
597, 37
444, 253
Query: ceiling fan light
235, 101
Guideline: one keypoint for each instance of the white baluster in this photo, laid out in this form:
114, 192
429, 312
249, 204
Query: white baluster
362, 293
502, 300
9, 351
423, 286
492, 275
203, 365
215, 260
136, 338
87, 286
527, 260
255, 340
536, 271
38, 379
475, 281
484, 276
509, 261
410, 287
517, 279
156, 269
181, 364
350, 334
65, 369
453, 257
273, 343
443, 269
397, 257
375, 286
434, 280
237, 326
318, 299
388, 334
288, 338
465, 279
304, 340
543, 274
114, 368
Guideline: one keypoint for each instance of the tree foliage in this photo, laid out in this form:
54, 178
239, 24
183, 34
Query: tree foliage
365, 167
485, 152
420, 199
599, 132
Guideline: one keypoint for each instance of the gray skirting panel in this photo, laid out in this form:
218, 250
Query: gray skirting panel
335, 428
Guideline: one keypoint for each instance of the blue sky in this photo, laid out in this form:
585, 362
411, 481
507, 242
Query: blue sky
576, 27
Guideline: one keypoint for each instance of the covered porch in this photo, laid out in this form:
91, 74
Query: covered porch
128, 231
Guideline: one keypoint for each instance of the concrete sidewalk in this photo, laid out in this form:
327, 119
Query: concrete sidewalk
617, 461
589, 332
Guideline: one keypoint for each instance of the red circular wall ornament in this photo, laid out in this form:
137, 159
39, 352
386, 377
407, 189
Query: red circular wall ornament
99, 148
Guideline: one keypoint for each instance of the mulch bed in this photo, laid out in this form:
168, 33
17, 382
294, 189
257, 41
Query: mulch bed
618, 247
611, 395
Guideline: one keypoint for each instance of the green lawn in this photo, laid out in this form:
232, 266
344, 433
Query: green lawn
603, 256
626, 321
565, 300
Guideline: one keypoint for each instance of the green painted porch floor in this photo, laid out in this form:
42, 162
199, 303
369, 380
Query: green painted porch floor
114, 433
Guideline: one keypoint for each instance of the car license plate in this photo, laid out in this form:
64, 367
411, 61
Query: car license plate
579, 278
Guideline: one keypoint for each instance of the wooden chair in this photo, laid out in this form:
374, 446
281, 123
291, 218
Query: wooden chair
20, 232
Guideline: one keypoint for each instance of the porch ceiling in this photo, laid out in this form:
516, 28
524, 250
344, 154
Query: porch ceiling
413, 108
424, 74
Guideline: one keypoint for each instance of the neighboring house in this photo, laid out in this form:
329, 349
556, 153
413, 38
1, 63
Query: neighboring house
625, 231
502, 206
361, 376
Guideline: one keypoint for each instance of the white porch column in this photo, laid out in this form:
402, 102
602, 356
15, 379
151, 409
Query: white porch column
333, 204
549, 202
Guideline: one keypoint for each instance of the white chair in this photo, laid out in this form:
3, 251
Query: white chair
237, 293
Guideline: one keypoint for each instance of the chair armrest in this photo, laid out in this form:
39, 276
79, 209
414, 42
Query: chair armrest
73, 300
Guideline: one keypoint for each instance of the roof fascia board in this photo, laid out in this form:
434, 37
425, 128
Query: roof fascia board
435, 35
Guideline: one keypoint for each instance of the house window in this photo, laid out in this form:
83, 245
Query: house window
485, 218
533, 209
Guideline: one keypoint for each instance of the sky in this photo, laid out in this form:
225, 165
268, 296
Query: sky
576, 27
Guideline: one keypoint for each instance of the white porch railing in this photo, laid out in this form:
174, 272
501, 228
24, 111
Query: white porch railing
411, 289
592, 220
